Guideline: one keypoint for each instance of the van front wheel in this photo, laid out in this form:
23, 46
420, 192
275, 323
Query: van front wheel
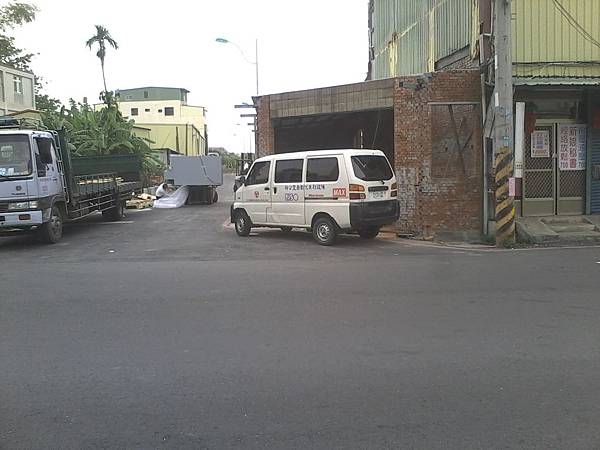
243, 225
368, 233
324, 231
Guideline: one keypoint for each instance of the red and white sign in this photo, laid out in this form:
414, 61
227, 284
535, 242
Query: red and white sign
339, 192
571, 146
512, 190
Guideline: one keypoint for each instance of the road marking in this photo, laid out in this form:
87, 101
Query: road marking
118, 222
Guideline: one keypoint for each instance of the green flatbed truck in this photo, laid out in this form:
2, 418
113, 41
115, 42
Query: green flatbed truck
43, 185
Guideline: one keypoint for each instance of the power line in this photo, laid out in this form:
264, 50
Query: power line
573, 22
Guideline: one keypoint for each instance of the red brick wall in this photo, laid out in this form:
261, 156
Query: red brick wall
266, 134
439, 187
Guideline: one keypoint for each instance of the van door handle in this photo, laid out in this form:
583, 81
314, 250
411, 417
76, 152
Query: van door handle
274, 189
267, 188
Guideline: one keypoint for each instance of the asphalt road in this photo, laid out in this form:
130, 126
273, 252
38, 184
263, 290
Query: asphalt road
168, 331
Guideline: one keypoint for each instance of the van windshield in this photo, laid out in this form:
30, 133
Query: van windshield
371, 167
15, 156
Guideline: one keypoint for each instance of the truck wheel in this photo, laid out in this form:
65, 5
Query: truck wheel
215, 198
324, 231
243, 224
52, 231
368, 233
114, 214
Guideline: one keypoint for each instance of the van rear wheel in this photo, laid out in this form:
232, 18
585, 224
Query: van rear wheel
324, 231
243, 224
368, 233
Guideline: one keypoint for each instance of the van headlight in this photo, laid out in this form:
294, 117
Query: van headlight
22, 205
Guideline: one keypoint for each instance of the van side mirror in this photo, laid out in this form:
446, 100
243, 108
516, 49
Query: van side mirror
242, 179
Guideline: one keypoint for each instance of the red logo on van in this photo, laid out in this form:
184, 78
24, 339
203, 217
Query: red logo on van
339, 192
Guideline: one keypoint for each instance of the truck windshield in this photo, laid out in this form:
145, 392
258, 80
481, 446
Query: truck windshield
371, 168
15, 156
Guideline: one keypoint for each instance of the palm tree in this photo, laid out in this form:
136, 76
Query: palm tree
102, 37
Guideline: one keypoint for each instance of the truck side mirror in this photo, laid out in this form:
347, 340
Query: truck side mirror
242, 179
41, 166
45, 149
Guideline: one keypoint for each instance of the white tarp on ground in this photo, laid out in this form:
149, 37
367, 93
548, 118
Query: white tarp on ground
176, 200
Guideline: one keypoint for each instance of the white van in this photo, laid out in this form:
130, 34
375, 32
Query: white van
326, 191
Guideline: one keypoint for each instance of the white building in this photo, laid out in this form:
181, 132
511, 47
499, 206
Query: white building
173, 123
16, 90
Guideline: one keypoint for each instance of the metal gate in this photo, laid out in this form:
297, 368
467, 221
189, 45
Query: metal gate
553, 184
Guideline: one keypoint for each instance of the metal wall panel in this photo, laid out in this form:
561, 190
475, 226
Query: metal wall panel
195, 170
551, 38
398, 38
548, 32
409, 36
452, 25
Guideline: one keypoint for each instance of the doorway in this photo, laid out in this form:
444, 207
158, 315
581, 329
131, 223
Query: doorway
554, 169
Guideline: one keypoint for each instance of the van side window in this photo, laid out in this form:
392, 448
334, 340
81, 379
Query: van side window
288, 171
322, 169
259, 174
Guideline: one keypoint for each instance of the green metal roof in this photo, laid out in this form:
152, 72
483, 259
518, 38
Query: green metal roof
549, 81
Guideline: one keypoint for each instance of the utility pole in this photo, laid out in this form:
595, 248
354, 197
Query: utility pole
503, 124
256, 63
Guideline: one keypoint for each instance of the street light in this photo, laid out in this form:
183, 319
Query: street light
221, 40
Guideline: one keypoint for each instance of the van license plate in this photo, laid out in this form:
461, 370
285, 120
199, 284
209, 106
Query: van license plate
378, 195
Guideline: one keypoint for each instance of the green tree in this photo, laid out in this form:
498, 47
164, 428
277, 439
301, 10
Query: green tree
12, 15
102, 37
103, 132
43, 102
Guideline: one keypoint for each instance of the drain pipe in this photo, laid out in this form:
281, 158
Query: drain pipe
485, 167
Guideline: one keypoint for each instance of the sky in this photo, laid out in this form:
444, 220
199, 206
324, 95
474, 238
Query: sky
302, 44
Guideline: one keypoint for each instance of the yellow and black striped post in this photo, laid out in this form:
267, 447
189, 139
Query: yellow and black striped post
505, 208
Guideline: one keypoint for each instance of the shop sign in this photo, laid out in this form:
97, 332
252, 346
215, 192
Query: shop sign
571, 146
540, 144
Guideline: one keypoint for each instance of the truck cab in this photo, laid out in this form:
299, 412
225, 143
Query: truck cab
31, 181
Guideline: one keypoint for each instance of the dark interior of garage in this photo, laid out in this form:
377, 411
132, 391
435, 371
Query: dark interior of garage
364, 129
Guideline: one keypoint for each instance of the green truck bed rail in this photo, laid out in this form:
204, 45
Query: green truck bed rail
127, 167
97, 183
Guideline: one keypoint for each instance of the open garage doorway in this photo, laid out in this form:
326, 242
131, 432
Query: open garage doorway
361, 129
